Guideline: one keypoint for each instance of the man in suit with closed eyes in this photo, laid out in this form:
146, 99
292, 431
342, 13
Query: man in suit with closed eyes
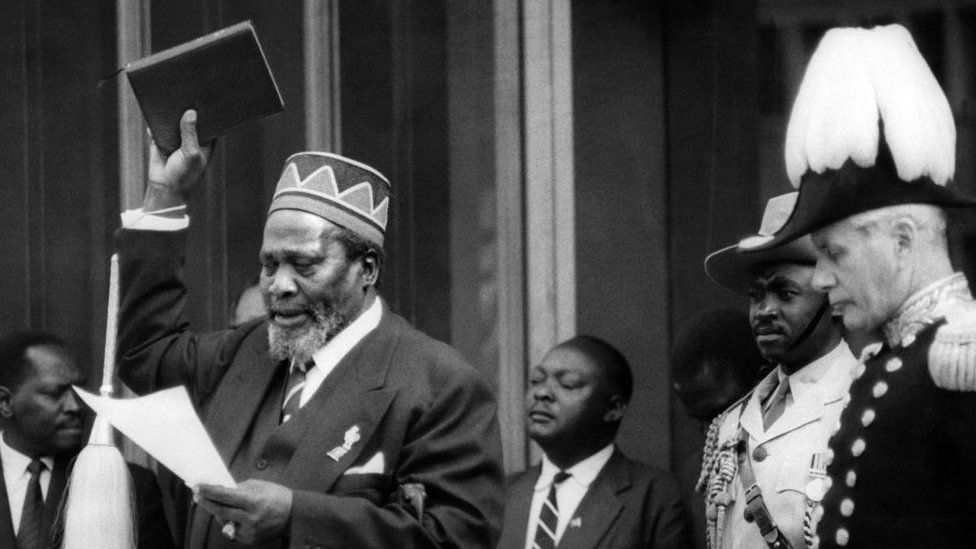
587, 493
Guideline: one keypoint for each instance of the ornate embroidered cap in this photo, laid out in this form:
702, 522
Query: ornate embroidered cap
870, 128
732, 269
336, 188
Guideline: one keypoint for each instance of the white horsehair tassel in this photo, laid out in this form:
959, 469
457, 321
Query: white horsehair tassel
99, 510
101, 430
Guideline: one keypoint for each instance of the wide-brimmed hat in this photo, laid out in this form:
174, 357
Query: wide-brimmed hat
732, 268
870, 128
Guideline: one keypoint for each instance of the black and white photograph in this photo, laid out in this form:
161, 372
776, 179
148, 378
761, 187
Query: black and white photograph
488, 274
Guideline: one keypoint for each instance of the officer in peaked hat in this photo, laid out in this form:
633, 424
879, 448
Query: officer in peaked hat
344, 426
764, 455
871, 145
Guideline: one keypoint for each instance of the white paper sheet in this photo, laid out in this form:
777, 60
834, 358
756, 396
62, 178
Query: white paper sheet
166, 426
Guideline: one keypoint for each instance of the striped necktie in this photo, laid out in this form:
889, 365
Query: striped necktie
545, 530
293, 389
32, 534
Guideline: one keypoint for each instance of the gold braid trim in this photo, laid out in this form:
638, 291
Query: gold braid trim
709, 453
952, 356
719, 466
811, 517
718, 498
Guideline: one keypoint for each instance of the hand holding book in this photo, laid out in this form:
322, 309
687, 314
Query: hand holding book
172, 177
223, 76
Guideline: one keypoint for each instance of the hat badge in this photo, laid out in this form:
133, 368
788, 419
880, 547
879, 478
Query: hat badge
778, 211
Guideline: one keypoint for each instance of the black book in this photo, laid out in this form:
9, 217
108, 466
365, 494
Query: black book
223, 75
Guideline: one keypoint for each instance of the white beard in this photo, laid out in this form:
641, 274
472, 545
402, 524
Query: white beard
299, 344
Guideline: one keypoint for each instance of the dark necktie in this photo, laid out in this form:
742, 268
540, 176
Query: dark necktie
776, 403
293, 390
32, 534
545, 530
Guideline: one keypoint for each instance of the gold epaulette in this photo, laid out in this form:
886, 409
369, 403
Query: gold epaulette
952, 357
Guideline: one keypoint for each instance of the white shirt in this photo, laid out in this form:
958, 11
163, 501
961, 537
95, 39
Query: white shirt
16, 478
338, 347
569, 493
150, 221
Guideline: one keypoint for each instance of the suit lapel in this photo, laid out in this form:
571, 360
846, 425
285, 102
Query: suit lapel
517, 507
804, 411
52, 503
356, 401
751, 418
7, 538
238, 398
600, 506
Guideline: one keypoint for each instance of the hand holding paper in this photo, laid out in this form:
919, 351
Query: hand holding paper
166, 426
255, 511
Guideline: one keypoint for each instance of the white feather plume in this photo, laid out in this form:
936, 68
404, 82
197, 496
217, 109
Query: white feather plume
854, 77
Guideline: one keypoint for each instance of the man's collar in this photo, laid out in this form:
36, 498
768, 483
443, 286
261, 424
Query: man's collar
346, 339
806, 378
768, 384
926, 307
583, 472
15, 463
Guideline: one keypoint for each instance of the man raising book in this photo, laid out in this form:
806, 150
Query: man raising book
343, 425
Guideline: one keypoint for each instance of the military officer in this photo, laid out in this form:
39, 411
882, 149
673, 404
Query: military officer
765, 453
871, 145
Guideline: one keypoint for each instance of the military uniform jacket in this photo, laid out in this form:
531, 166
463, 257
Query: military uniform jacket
903, 469
422, 416
781, 457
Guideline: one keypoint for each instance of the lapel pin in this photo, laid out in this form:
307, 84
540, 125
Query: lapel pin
351, 437
576, 522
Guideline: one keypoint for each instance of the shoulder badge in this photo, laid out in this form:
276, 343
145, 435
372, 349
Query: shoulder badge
952, 356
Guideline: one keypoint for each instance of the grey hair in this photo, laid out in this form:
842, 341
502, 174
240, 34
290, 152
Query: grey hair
929, 221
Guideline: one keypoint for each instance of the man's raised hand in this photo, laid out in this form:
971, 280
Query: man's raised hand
171, 178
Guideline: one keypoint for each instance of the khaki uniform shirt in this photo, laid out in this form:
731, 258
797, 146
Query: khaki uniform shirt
781, 457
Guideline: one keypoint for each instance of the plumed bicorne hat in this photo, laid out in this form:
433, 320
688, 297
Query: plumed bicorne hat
732, 269
870, 128
339, 189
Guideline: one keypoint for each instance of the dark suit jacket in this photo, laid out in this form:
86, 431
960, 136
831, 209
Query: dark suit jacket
153, 528
59, 476
629, 505
413, 399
